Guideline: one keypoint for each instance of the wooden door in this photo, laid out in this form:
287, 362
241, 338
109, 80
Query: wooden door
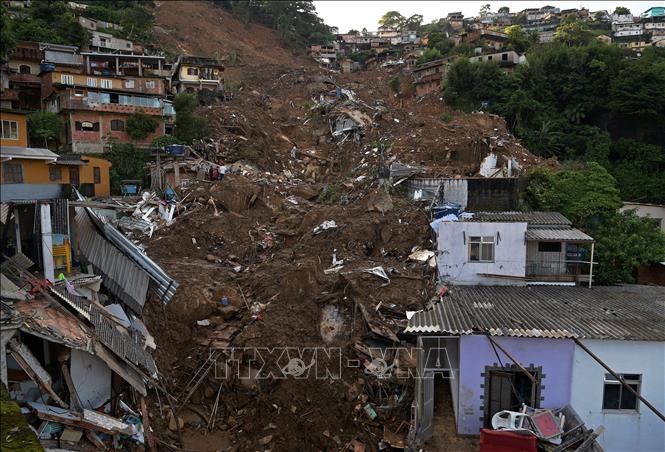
74, 176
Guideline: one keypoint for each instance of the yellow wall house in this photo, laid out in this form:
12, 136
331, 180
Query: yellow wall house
36, 173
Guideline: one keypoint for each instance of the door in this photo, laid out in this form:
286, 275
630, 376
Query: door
427, 420
74, 175
508, 390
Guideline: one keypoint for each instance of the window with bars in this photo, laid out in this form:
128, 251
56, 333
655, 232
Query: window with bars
481, 248
129, 83
54, 173
106, 83
66, 79
12, 173
150, 84
92, 82
616, 396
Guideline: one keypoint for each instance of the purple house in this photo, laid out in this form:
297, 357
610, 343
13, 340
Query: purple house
495, 348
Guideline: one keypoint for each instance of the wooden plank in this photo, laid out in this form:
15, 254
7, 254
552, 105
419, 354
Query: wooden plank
89, 421
35, 371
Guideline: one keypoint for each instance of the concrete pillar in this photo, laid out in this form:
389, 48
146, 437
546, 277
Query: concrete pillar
17, 230
87, 64
47, 242
117, 66
140, 67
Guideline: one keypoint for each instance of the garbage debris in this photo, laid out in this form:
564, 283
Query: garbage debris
328, 224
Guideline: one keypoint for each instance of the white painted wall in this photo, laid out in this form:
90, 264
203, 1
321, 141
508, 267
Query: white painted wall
648, 210
509, 252
92, 379
639, 431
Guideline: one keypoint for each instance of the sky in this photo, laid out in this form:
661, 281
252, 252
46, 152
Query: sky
347, 15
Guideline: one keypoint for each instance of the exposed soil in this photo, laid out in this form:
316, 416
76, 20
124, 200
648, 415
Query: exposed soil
251, 266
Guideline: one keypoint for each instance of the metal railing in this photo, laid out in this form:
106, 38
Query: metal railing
558, 270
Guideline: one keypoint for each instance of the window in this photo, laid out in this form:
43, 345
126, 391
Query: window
79, 93
549, 247
54, 173
129, 83
86, 126
504, 57
616, 397
150, 84
13, 173
97, 175
92, 82
106, 83
24, 69
117, 125
192, 71
9, 130
481, 249
66, 79
489, 58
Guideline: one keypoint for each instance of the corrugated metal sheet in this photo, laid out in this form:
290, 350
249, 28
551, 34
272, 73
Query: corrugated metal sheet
567, 235
532, 218
4, 212
122, 277
163, 285
127, 346
547, 311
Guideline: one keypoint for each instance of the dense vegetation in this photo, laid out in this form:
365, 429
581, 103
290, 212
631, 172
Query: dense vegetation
52, 21
588, 195
588, 102
296, 21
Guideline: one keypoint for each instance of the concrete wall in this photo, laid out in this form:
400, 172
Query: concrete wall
555, 356
509, 252
625, 431
21, 123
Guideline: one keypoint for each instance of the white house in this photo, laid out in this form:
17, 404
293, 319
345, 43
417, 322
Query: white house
511, 248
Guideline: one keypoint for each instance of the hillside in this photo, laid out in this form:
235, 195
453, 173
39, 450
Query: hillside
200, 28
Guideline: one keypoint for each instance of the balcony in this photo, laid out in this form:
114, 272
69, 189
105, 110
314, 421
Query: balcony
83, 103
558, 270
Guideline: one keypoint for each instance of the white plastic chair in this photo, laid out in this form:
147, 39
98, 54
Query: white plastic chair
510, 420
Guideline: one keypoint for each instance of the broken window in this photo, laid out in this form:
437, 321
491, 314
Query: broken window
481, 248
616, 396
549, 247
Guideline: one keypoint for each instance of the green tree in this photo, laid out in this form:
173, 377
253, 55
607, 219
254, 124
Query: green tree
573, 33
7, 39
395, 85
484, 9
621, 11
44, 126
625, 241
579, 194
518, 39
140, 125
504, 10
393, 19
413, 22
127, 163
188, 126
429, 55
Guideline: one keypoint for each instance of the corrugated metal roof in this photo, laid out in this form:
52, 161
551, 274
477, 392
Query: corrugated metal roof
163, 285
547, 311
122, 276
532, 218
15, 152
567, 234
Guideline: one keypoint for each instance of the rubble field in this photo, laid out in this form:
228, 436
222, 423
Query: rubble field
277, 253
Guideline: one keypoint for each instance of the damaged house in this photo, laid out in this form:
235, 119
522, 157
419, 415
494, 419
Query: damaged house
75, 351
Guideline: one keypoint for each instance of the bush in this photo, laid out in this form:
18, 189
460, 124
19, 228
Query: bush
140, 125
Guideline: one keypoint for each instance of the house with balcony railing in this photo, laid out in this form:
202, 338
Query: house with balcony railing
513, 248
